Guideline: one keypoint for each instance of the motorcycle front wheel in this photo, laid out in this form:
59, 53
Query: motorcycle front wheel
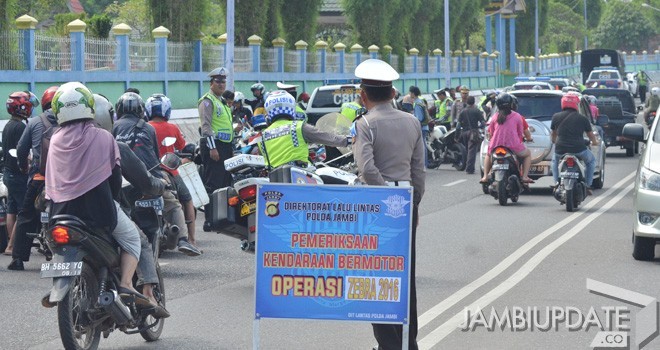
459, 152
76, 329
154, 332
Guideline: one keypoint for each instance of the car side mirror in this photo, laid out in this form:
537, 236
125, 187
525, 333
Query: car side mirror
633, 131
602, 120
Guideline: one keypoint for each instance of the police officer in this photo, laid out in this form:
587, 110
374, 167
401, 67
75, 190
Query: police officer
389, 150
443, 107
642, 85
285, 140
292, 90
217, 136
352, 109
458, 106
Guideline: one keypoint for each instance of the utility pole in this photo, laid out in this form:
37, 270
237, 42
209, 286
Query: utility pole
230, 45
447, 53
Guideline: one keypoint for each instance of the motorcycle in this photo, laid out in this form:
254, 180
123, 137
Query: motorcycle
443, 148
505, 180
86, 275
572, 189
649, 116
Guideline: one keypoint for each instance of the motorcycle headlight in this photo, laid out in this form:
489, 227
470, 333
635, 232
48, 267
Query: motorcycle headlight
649, 180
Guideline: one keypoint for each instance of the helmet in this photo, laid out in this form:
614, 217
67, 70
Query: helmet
570, 101
536, 87
280, 103
514, 104
158, 105
18, 104
73, 101
47, 97
304, 97
129, 103
259, 122
34, 100
655, 91
258, 86
239, 97
504, 101
104, 112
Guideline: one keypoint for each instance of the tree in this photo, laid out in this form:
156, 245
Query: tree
525, 24
95, 6
133, 13
299, 20
249, 19
8, 8
274, 25
181, 17
620, 27
63, 19
99, 26
563, 38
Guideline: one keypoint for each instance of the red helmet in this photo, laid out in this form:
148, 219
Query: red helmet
47, 97
570, 101
304, 97
18, 104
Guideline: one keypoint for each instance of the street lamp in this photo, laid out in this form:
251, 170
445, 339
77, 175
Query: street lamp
586, 26
649, 6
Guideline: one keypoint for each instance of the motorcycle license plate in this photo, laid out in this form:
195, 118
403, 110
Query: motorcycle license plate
504, 166
156, 203
59, 269
569, 175
537, 169
44, 217
248, 208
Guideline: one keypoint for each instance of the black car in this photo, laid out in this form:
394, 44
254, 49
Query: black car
619, 106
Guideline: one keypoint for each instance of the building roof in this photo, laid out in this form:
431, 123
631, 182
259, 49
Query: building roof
331, 6
75, 6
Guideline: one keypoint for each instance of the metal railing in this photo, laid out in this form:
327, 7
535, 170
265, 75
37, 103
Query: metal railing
52, 53
142, 56
179, 57
11, 55
100, 54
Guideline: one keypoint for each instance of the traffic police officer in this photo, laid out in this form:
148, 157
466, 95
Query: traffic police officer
442, 108
389, 150
285, 140
458, 106
292, 90
217, 136
352, 109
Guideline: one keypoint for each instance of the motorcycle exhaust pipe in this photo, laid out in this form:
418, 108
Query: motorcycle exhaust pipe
112, 304
171, 235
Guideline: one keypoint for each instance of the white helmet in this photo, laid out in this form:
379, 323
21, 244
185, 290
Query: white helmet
239, 97
655, 91
73, 101
104, 112
280, 103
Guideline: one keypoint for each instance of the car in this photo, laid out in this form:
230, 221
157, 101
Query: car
538, 107
329, 98
646, 193
606, 76
559, 83
619, 106
532, 85
632, 83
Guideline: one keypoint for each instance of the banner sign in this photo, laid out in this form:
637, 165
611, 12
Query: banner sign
333, 252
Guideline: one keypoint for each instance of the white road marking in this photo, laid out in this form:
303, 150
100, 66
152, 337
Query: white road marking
446, 328
459, 295
163, 263
454, 183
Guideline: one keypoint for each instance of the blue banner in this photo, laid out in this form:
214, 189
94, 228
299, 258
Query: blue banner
333, 252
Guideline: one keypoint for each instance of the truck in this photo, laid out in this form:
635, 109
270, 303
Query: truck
590, 59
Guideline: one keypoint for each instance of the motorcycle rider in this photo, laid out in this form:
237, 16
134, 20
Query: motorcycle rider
568, 128
144, 184
506, 128
141, 138
158, 109
240, 111
259, 93
652, 103
285, 140
28, 218
83, 177
443, 108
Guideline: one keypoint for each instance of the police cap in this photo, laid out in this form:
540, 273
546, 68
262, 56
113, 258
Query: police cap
218, 72
286, 87
376, 73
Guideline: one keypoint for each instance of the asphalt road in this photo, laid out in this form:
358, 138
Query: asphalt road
472, 252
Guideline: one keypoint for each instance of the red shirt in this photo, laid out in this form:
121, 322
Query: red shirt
163, 130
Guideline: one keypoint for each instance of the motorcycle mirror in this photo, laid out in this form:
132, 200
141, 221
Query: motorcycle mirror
170, 161
12, 152
168, 141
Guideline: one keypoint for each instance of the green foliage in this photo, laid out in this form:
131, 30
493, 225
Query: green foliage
525, 23
63, 19
8, 9
249, 19
95, 6
134, 13
274, 25
181, 17
594, 11
623, 27
99, 26
299, 20
564, 38
214, 21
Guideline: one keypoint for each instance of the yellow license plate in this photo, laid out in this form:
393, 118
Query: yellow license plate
248, 208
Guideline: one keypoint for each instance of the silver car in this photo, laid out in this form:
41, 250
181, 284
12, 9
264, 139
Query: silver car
538, 107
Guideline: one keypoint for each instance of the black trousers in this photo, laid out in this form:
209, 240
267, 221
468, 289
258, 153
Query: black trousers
472, 148
642, 93
28, 220
215, 175
390, 336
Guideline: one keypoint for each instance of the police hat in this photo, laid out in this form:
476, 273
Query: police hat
286, 87
464, 89
376, 73
220, 71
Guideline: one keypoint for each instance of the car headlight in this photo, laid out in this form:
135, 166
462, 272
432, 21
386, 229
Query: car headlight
649, 180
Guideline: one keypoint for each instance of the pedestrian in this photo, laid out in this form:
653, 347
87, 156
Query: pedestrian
421, 113
28, 218
389, 151
458, 106
19, 108
470, 121
642, 82
217, 137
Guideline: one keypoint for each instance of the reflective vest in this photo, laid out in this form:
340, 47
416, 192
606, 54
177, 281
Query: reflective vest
481, 102
442, 109
284, 143
300, 114
221, 122
641, 79
350, 110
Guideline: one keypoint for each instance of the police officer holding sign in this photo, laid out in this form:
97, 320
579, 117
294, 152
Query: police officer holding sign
217, 136
389, 150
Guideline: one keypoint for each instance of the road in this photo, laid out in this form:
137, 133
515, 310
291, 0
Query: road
472, 252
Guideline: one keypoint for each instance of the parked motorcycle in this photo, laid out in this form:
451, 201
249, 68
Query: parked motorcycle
505, 180
442, 147
649, 116
572, 189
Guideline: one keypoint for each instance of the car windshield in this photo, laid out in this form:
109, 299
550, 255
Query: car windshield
539, 107
334, 98
530, 86
604, 75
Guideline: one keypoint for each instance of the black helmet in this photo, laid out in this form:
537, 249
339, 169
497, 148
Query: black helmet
504, 101
130, 103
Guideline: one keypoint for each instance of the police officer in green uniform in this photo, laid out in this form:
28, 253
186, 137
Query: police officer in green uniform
389, 151
642, 84
285, 140
217, 137
443, 108
293, 91
351, 110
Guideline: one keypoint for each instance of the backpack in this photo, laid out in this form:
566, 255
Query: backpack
45, 141
427, 117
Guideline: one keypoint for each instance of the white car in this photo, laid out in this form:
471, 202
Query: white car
646, 194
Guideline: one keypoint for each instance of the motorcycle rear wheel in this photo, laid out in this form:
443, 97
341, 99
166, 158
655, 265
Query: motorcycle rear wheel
153, 333
501, 193
570, 200
74, 324
461, 162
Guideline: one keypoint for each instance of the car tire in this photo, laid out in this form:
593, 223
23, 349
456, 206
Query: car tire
643, 248
630, 151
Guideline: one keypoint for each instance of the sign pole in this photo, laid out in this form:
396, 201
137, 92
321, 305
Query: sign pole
255, 333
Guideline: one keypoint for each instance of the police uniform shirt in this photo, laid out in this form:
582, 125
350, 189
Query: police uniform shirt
456, 110
389, 146
205, 110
